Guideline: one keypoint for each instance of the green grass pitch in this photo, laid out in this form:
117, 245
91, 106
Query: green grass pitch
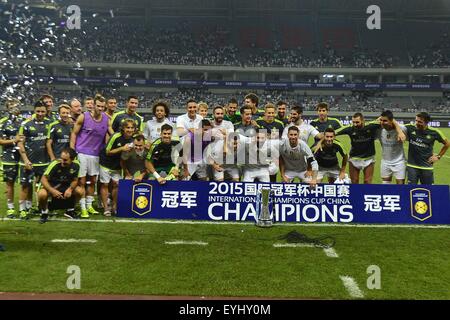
239, 259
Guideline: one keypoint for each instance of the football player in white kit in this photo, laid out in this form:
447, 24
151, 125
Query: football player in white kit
305, 130
152, 129
393, 160
260, 155
225, 157
295, 159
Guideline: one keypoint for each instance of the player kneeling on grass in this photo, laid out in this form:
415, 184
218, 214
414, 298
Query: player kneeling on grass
59, 183
194, 149
224, 157
297, 159
163, 156
328, 160
260, 155
133, 161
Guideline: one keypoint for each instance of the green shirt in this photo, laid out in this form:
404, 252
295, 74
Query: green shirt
272, 126
421, 145
259, 113
285, 120
330, 123
327, 157
234, 118
112, 162
160, 154
59, 133
9, 126
58, 175
121, 116
362, 140
35, 138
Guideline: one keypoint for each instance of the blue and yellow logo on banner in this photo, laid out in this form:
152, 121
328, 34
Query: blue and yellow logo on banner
420, 203
141, 203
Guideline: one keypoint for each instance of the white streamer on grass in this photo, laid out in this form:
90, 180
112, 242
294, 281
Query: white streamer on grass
330, 252
182, 242
75, 240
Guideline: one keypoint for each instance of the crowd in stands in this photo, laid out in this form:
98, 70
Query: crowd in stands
364, 101
38, 38
436, 55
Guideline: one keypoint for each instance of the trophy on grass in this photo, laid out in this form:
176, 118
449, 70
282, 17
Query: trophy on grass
264, 219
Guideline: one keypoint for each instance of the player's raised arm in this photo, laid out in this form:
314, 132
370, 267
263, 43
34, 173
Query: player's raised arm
401, 136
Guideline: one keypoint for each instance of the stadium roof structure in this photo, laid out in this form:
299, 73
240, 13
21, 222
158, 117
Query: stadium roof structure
428, 10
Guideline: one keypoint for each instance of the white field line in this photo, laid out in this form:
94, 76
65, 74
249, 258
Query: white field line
75, 240
278, 224
177, 242
330, 252
352, 287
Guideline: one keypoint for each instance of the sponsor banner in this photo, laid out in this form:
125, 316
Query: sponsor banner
289, 202
241, 84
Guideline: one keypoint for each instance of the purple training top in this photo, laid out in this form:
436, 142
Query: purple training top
197, 148
91, 138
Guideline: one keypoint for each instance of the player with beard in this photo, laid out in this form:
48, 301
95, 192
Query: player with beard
162, 159
260, 154
328, 160
133, 161
221, 127
33, 154
252, 100
225, 157
296, 158
88, 137
59, 183
305, 130
362, 152
421, 158
231, 113
393, 160
194, 151
281, 113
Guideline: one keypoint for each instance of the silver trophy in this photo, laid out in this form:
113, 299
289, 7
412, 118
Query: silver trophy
264, 219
